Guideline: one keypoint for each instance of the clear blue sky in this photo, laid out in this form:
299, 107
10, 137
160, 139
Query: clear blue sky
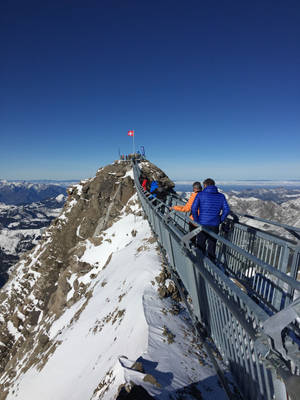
211, 88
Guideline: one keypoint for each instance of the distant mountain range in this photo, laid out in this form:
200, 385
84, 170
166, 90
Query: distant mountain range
285, 212
21, 227
278, 195
21, 193
21, 224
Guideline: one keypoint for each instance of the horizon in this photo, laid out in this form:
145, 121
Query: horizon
210, 89
228, 182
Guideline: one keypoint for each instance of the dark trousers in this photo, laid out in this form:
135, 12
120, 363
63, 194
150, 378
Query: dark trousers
191, 228
204, 237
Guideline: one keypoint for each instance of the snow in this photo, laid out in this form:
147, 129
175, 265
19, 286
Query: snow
71, 205
63, 217
99, 337
12, 330
71, 282
54, 212
9, 239
60, 198
78, 232
182, 354
79, 186
13, 224
116, 237
129, 173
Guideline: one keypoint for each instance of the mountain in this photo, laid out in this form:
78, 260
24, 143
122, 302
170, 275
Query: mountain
21, 193
91, 312
277, 195
287, 212
21, 227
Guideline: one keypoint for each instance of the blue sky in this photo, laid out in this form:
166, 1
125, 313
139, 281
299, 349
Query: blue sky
210, 88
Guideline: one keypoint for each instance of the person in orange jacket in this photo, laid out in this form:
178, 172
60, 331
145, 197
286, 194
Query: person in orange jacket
188, 205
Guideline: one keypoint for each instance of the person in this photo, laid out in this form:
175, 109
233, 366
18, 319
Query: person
187, 207
145, 184
160, 191
209, 209
153, 187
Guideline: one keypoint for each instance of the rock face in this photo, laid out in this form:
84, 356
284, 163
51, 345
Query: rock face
153, 173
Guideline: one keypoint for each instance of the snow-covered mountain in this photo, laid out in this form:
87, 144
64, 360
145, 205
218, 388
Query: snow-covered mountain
277, 195
20, 193
90, 312
287, 212
21, 227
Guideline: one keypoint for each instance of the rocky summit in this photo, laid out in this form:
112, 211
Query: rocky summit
92, 301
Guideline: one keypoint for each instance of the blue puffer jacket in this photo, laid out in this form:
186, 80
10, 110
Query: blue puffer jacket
210, 203
154, 185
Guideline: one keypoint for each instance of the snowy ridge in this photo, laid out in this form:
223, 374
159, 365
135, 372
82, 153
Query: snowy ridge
114, 319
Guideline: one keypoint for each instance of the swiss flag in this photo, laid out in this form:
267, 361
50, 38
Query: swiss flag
130, 133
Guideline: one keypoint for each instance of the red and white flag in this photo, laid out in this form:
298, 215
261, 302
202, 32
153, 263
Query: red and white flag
130, 133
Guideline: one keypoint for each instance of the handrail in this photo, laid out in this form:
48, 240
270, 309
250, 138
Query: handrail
291, 229
246, 326
295, 231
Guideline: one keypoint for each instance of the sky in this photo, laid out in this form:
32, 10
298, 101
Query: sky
211, 88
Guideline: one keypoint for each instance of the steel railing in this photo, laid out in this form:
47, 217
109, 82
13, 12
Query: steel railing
247, 300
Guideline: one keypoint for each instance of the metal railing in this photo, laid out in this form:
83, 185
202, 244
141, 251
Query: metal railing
247, 300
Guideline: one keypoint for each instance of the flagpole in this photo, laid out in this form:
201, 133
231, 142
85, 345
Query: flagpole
133, 141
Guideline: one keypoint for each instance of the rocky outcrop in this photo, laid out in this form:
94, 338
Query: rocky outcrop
153, 173
133, 393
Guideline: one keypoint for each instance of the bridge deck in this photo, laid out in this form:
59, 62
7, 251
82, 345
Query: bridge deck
247, 299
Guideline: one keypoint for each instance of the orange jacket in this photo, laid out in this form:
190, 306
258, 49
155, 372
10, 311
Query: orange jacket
188, 205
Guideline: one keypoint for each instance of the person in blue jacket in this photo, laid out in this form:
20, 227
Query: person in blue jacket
210, 208
153, 187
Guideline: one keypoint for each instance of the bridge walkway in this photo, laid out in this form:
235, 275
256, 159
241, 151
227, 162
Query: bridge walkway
247, 301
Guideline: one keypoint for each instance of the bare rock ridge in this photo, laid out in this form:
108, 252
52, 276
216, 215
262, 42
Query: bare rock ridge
37, 291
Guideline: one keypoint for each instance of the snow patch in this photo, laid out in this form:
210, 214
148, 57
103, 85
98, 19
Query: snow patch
60, 198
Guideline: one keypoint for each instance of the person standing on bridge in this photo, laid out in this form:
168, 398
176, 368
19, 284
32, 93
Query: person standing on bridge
210, 208
187, 207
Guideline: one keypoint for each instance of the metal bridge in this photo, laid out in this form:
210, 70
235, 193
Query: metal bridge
247, 301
